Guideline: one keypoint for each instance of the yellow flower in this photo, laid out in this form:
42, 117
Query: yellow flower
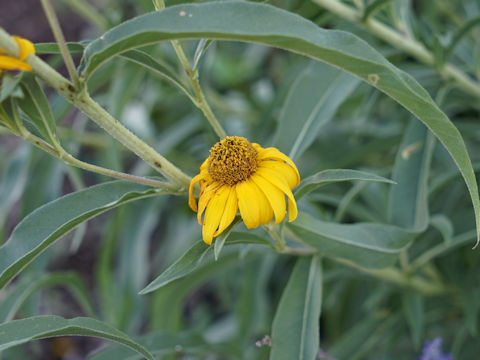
245, 176
12, 63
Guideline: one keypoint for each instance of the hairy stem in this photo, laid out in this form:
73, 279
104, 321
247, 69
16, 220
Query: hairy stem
201, 101
60, 39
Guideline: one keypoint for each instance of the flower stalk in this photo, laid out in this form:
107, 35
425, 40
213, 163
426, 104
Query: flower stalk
60, 39
200, 101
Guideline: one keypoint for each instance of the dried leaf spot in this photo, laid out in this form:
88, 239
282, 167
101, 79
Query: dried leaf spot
182, 13
411, 149
373, 78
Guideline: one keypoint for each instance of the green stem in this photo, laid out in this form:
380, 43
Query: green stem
409, 45
201, 101
88, 106
60, 39
397, 277
67, 158
280, 242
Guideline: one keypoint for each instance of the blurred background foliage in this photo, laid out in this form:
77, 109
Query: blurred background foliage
223, 308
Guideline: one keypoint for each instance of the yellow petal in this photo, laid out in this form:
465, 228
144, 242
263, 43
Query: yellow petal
273, 153
283, 170
231, 207
280, 183
205, 196
26, 47
266, 211
10, 63
191, 199
214, 213
248, 204
274, 195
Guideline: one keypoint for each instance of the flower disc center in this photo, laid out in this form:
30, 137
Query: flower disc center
232, 160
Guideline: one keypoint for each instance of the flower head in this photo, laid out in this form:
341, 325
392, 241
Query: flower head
17, 63
241, 175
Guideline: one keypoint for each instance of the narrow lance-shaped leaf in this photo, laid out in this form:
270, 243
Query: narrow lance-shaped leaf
40, 229
194, 256
369, 245
19, 332
295, 329
265, 24
335, 175
21, 290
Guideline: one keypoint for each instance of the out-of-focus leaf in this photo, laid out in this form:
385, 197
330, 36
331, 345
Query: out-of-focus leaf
26, 287
413, 308
45, 225
312, 101
409, 198
262, 23
444, 225
143, 59
157, 343
335, 175
13, 180
369, 245
373, 7
295, 329
19, 332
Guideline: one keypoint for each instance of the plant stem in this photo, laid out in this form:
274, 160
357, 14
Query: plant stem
201, 101
60, 39
88, 106
409, 45
397, 277
61, 154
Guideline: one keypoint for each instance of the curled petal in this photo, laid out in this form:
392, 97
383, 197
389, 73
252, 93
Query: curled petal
274, 195
280, 183
214, 213
273, 153
283, 170
231, 207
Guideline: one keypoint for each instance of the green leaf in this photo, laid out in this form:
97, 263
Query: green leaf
157, 343
335, 175
40, 229
265, 24
24, 288
220, 240
373, 7
184, 265
10, 87
369, 245
459, 34
13, 181
295, 329
413, 308
193, 257
52, 48
35, 105
19, 332
201, 49
145, 60
312, 101
408, 203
